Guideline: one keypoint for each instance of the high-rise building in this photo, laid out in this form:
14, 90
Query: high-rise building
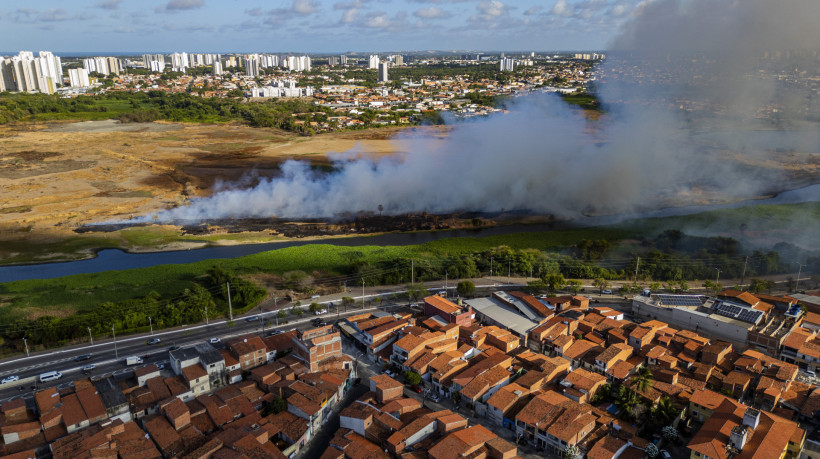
398, 59
179, 62
507, 65
343, 59
78, 78
298, 63
383, 72
6, 76
374, 62
333, 60
26, 73
252, 66
217, 68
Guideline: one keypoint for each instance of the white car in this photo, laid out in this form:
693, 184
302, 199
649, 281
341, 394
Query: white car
214, 340
320, 312
89, 368
9, 379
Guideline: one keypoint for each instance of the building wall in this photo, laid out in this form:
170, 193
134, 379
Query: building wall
354, 424
686, 319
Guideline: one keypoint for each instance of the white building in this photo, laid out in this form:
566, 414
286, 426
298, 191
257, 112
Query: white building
383, 71
281, 88
298, 63
374, 62
26, 73
343, 59
252, 66
217, 68
78, 78
179, 62
507, 64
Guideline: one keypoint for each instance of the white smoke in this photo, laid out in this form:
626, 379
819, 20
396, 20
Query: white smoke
549, 158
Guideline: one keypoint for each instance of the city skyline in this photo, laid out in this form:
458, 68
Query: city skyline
313, 26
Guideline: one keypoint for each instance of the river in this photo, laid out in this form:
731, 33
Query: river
115, 259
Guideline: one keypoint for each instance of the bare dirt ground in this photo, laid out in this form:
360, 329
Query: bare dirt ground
57, 177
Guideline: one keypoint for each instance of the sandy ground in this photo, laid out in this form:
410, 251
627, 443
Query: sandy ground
60, 176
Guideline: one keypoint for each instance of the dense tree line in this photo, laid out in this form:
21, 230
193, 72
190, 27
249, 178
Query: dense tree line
208, 293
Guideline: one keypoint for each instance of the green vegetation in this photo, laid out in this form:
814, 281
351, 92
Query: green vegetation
584, 100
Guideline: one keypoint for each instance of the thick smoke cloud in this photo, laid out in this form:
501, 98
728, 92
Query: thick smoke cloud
648, 152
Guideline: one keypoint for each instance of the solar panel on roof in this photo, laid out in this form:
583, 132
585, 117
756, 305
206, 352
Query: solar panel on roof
680, 300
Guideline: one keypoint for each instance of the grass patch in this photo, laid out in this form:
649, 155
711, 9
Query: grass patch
15, 210
148, 236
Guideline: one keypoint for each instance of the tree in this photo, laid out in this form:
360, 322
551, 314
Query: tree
416, 291
347, 301
757, 285
652, 450
664, 412
643, 380
601, 283
296, 311
575, 286
669, 433
411, 377
626, 401
570, 452
276, 406
554, 282
465, 288
314, 307
281, 314
456, 398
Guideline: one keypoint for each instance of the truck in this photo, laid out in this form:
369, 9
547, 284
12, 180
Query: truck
133, 360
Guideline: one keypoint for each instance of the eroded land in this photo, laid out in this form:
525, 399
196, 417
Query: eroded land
58, 178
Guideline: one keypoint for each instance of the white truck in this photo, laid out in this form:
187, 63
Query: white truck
133, 360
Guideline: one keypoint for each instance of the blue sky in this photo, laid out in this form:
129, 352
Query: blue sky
309, 25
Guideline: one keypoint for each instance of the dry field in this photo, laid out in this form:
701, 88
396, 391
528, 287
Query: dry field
58, 177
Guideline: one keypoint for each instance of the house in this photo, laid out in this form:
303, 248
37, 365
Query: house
386, 388
610, 356
581, 385
320, 348
203, 354
196, 379
500, 403
552, 422
436, 305
249, 350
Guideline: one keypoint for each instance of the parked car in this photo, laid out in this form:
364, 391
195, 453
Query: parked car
320, 312
275, 332
665, 454
89, 368
214, 340
80, 358
435, 398
415, 388
174, 348
9, 379
153, 341
160, 366
606, 291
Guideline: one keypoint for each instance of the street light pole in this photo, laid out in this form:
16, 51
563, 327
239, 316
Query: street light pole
362, 292
89, 335
150, 324
445, 282
116, 355
206, 316
799, 270
717, 278
25, 342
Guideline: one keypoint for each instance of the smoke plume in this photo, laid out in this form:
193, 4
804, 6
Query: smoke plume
699, 95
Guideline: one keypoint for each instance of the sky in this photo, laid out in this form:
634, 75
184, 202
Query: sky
310, 26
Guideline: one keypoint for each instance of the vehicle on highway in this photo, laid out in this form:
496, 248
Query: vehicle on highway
9, 379
174, 348
160, 366
133, 360
214, 340
80, 358
606, 291
153, 341
415, 388
320, 312
50, 376
275, 332
251, 318
89, 368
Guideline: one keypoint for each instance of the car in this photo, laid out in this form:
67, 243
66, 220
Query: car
415, 388
251, 318
665, 454
214, 340
9, 379
80, 358
160, 366
275, 332
320, 312
606, 291
435, 398
153, 341
174, 348
89, 368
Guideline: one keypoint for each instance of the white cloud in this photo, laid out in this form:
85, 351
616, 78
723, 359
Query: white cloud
180, 5
109, 4
303, 7
561, 8
432, 13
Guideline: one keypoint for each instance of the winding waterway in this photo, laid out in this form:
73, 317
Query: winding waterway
114, 259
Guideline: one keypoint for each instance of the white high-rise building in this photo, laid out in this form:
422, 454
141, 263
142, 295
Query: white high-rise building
26, 73
398, 59
6, 76
507, 64
343, 59
298, 63
179, 62
103, 65
217, 68
374, 62
78, 78
252, 66
383, 71
51, 66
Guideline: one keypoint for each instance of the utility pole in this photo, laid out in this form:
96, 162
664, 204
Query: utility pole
230, 306
799, 270
89, 335
151, 324
717, 278
116, 355
362, 292
412, 272
445, 282
491, 266
743, 276
206, 316
25, 343
508, 269
636, 269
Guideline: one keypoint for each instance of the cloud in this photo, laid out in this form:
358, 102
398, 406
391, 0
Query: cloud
31, 15
561, 8
109, 4
304, 7
180, 5
432, 13
489, 10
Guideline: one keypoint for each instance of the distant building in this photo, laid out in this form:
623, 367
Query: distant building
374, 62
217, 68
26, 73
78, 78
507, 64
298, 63
252, 66
398, 59
333, 60
383, 72
343, 59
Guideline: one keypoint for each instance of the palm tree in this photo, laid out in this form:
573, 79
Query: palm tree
665, 412
627, 400
643, 380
